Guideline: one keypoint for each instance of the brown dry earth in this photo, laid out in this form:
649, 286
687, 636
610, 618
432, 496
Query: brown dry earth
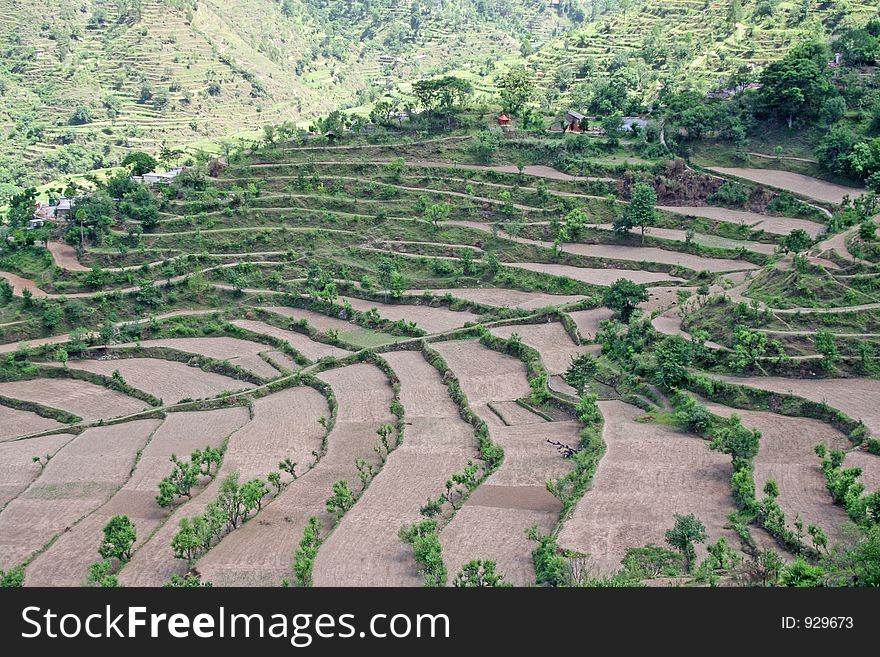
79, 478
493, 522
595, 276
628, 253
870, 465
786, 455
318, 321
649, 473
64, 256
432, 320
858, 398
794, 182
168, 380
260, 553
243, 353
89, 401
19, 284
504, 298
284, 424
67, 561
17, 467
14, 423
588, 321
302, 343
364, 549
669, 323
282, 360
774, 225
550, 340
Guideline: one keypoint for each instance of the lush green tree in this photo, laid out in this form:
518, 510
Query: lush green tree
12, 578
623, 297
304, 558
673, 359
826, 344
341, 500
139, 163
641, 212
119, 537
517, 89
797, 85
749, 346
425, 541
797, 241
740, 442
188, 581
479, 574
581, 371
442, 93
101, 574
687, 531
21, 207
801, 574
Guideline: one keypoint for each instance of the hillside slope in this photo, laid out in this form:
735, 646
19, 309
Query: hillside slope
83, 85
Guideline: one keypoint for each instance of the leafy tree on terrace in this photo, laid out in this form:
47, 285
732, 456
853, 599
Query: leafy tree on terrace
740, 442
304, 558
687, 530
341, 500
119, 536
797, 241
748, 347
517, 89
797, 85
479, 574
140, 163
640, 213
623, 297
442, 93
582, 369
21, 207
436, 213
12, 578
673, 358
827, 346
188, 581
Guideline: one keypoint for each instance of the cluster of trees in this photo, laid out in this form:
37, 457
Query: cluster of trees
847, 490
424, 537
186, 475
234, 504
115, 550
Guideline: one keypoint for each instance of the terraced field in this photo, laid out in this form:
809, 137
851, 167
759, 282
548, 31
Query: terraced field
370, 345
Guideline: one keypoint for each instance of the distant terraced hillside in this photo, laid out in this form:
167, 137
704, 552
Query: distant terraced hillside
91, 80
690, 44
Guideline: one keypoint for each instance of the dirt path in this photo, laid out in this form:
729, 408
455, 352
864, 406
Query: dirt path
790, 158
837, 243
796, 183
